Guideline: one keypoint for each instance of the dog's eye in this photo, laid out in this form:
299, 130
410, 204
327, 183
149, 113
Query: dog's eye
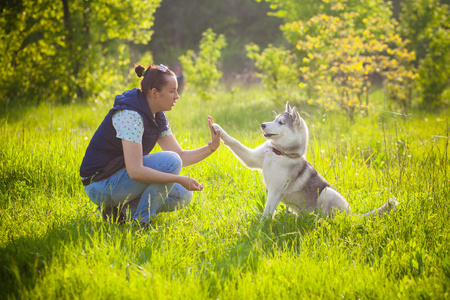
280, 122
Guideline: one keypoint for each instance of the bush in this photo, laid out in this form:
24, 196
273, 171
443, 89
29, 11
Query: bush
341, 51
278, 70
200, 69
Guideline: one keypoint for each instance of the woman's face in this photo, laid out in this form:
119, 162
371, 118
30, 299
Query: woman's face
166, 98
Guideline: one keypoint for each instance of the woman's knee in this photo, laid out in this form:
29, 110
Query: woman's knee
178, 203
174, 162
167, 161
187, 198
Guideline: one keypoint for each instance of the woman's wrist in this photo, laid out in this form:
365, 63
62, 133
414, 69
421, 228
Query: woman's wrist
179, 179
211, 148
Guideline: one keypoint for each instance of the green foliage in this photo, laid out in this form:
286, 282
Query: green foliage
67, 50
426, 24
54, 245
201, 69
424, 31
278, 70
341, 52
180, 24
292, 10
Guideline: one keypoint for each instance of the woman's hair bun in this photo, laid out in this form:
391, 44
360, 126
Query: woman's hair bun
139, 70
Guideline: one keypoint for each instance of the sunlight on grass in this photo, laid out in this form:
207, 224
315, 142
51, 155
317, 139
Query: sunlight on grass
55, 245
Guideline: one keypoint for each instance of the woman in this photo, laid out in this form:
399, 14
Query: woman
117, 168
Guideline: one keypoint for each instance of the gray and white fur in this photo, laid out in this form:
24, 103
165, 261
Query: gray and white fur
288, 175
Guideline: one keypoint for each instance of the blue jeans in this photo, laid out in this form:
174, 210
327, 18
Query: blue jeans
148, 198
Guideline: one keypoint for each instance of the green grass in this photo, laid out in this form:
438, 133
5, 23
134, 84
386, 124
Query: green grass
53, 243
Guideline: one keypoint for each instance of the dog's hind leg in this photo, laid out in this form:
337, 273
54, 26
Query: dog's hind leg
330, 199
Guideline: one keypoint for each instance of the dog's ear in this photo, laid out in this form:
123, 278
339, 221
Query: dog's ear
295, 115
288, 108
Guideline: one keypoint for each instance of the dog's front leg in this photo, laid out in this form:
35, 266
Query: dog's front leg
252, 158
273, 199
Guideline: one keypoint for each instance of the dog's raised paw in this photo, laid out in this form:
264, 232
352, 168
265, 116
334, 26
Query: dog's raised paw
216, 127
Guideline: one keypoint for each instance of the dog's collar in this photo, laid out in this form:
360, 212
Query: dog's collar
279, 152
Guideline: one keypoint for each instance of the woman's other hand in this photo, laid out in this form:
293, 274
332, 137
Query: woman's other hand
190, 183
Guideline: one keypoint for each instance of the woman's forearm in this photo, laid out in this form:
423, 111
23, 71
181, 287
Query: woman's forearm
149, 175
189, 157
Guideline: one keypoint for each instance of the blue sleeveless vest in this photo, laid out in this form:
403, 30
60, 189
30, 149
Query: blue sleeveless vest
105, 146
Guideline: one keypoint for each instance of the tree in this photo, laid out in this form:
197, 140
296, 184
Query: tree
278, 70
342, 50
291, 11
181, 23
201, 69
62, 51
426, 25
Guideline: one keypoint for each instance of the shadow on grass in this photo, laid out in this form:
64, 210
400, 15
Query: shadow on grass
262, 239
24, 260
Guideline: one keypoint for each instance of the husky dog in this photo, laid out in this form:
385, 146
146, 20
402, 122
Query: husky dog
288, 176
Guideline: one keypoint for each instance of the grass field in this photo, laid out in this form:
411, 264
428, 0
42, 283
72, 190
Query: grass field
53, 243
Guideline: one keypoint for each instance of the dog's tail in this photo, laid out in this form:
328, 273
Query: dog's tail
386, 207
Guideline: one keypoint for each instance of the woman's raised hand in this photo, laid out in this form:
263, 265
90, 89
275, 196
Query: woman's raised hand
215, 136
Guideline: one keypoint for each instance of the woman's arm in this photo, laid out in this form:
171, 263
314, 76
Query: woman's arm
189, 157
137, 171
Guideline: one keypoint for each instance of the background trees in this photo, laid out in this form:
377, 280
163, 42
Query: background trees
343, 46
342, 52
67, 50
426, 26
200, 69
179, 26
278, 70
